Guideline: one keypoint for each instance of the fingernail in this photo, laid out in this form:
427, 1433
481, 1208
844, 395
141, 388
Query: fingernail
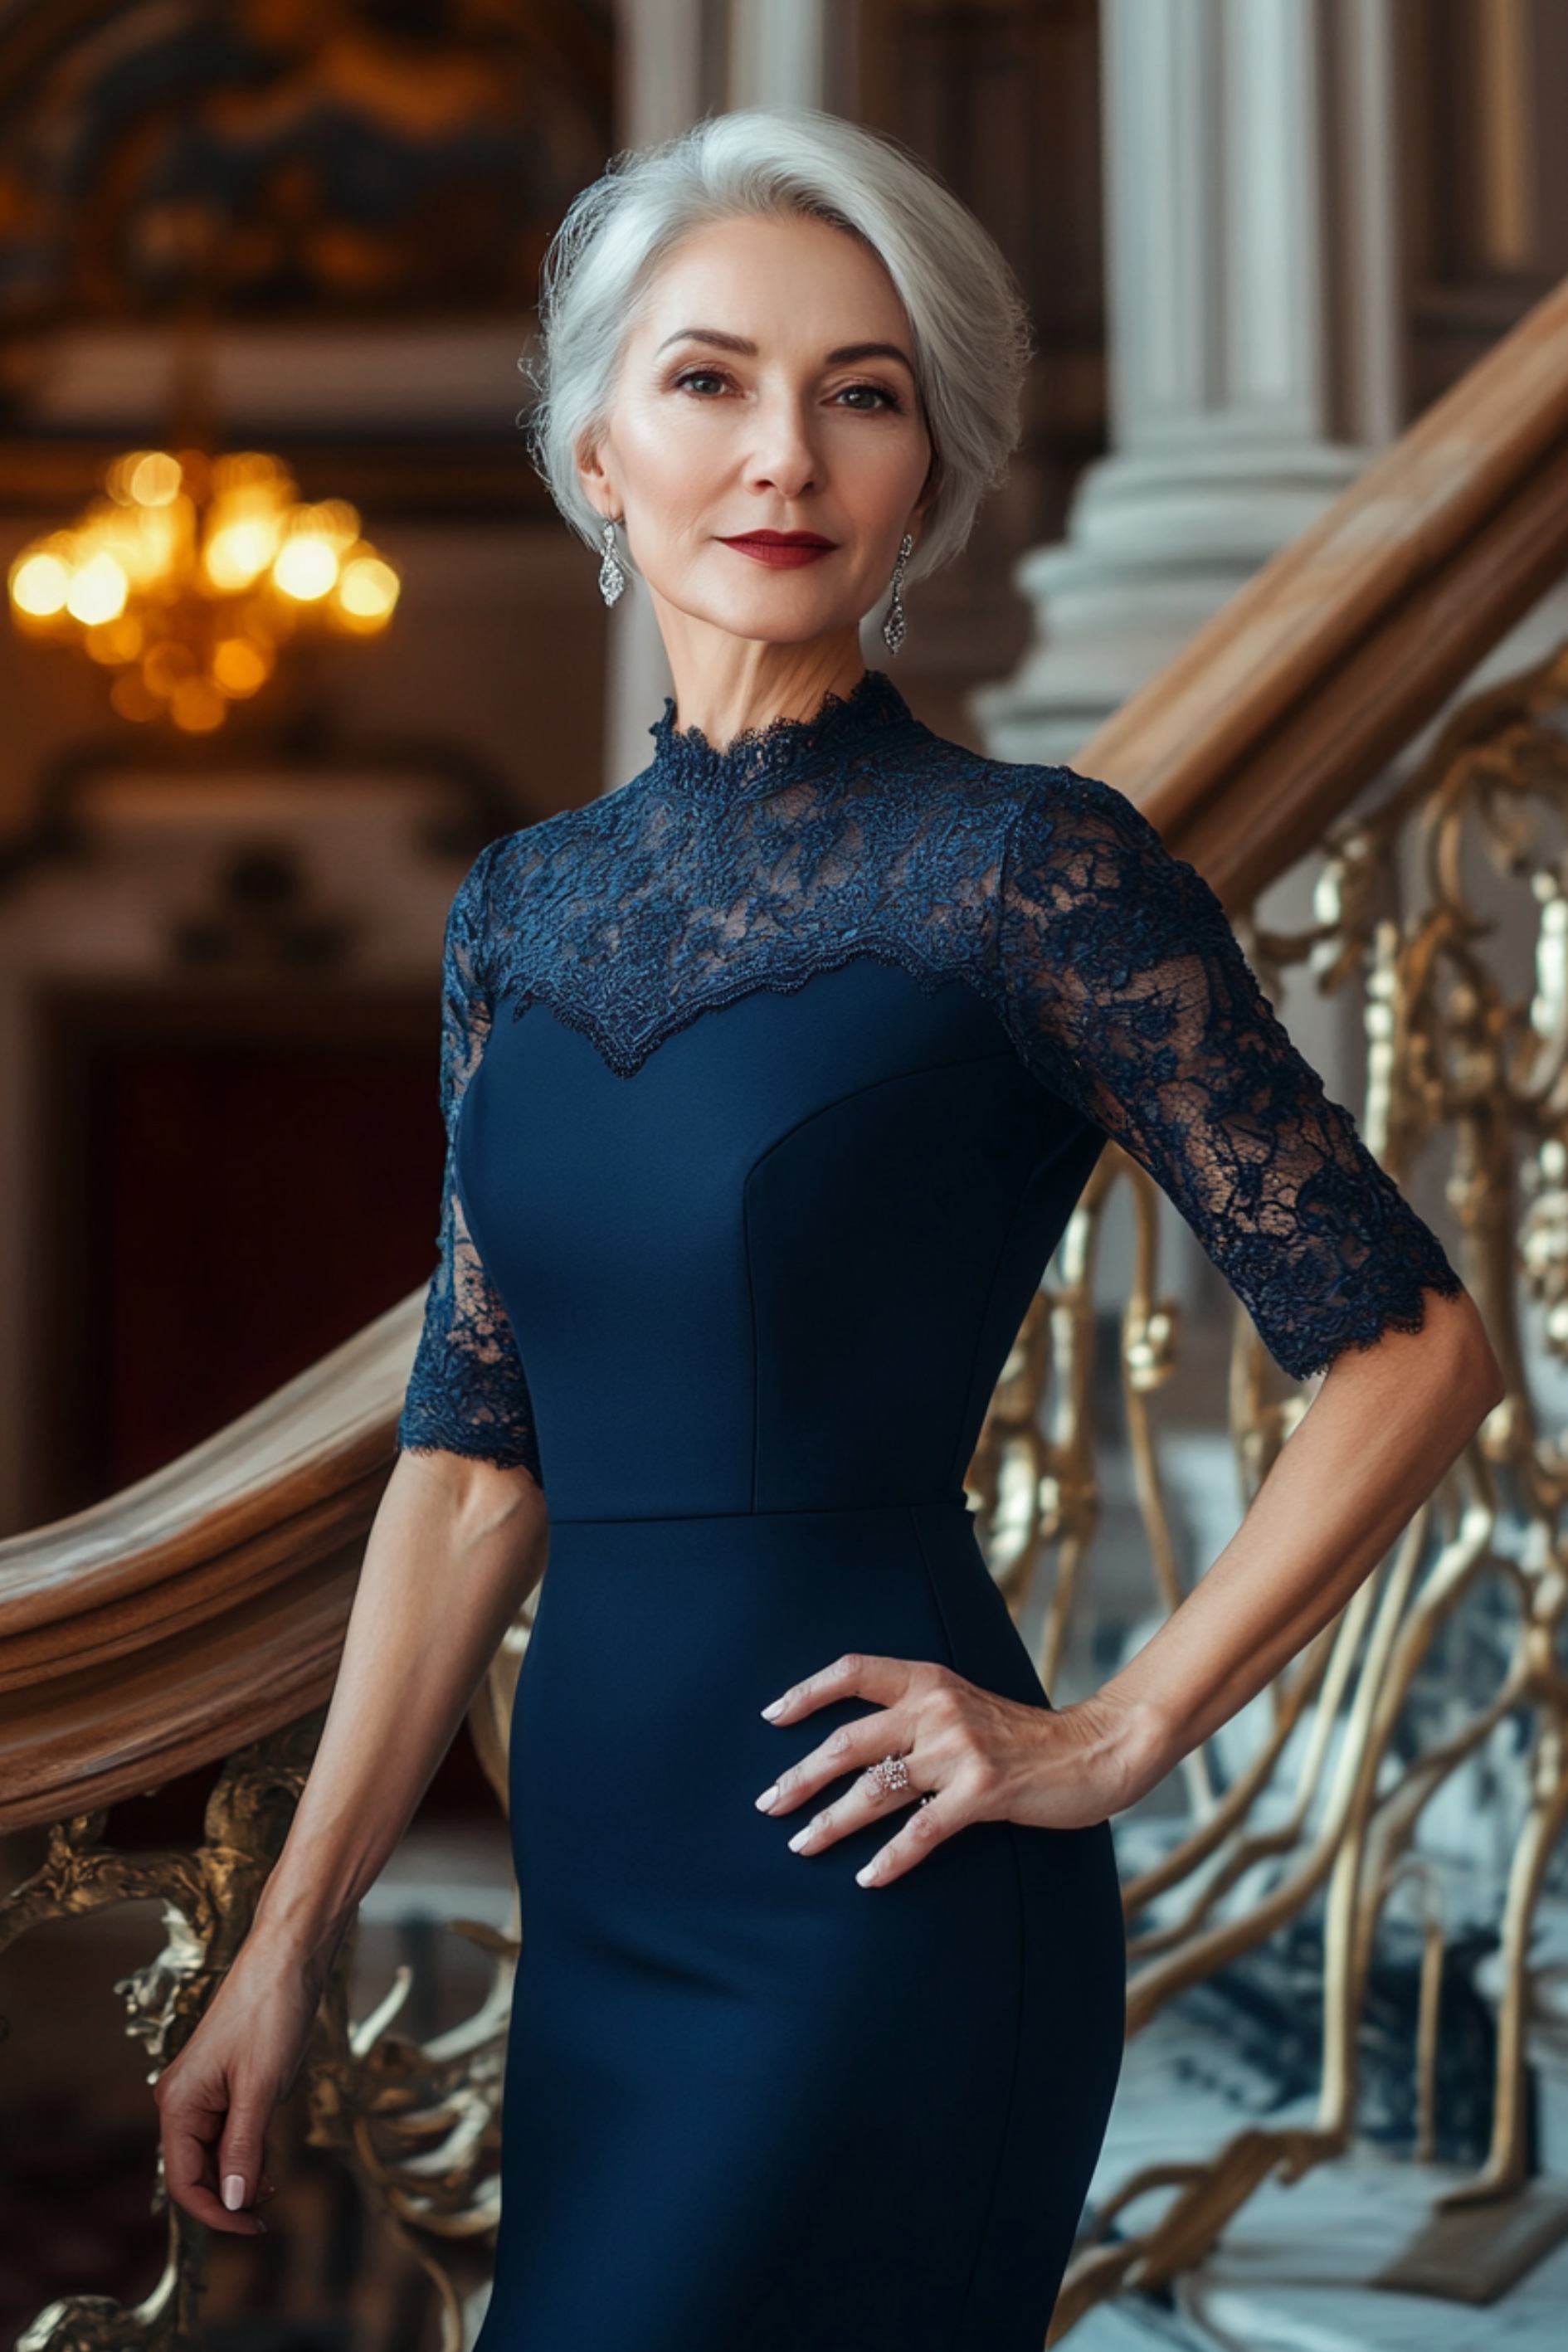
234, 2191
867, 1878
805, 1836
775, 1707
768, 1800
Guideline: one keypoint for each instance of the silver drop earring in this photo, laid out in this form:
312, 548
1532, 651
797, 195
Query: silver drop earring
612, 578
893, 626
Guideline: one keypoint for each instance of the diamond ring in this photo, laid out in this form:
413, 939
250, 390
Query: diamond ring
890, 1775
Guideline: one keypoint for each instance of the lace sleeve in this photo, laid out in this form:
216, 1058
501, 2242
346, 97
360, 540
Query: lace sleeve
467, 1392
1129, 994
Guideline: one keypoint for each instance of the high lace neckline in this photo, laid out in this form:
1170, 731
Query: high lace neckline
761, 758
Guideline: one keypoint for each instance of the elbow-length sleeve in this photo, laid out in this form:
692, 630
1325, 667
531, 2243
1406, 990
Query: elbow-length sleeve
467, 1392
1128, 992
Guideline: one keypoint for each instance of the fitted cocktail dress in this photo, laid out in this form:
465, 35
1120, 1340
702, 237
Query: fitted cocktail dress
772, 1080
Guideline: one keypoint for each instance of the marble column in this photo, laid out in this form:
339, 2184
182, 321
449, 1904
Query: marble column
680, 59
660, 93
777, 52
1253, 334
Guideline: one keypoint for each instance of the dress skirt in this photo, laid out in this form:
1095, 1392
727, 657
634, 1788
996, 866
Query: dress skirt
752, 2106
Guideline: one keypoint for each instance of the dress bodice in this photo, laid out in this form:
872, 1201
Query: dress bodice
1023, 926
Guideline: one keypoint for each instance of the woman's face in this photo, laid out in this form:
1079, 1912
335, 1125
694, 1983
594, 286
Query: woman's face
766, 444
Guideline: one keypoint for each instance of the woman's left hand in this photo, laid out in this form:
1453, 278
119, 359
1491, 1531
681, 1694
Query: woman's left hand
970, 1757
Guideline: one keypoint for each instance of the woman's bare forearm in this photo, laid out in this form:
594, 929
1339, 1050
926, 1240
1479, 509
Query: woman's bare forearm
1382, 1429
456, 1548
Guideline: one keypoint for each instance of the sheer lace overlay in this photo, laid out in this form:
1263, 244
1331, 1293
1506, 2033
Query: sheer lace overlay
1109, 962
467, 1393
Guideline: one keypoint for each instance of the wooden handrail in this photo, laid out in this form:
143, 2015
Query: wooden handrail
205, 1605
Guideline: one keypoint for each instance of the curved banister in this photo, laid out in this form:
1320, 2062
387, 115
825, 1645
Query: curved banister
205, 1605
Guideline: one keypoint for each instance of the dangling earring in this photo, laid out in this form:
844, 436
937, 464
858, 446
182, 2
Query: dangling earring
612, 578
893, 626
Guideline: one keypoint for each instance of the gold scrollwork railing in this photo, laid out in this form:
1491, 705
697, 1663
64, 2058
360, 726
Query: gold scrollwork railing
1462, 1062
418, 2123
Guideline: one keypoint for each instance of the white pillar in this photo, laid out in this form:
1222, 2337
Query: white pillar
659, 94
1234, 338
777, 57
777, 52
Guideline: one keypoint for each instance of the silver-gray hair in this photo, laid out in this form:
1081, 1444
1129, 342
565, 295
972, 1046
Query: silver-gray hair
966, 316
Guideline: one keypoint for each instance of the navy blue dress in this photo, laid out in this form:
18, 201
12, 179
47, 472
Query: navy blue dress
772, 1080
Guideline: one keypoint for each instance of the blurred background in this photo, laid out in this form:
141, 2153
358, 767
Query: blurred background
271, 263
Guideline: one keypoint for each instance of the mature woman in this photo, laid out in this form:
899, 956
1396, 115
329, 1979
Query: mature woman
772, 1080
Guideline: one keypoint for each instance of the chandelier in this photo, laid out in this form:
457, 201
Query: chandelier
191, 577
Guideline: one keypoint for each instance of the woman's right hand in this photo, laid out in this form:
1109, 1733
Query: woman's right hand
215, 2099
456, 1546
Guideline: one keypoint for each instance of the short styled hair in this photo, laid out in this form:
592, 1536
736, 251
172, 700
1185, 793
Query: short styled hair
965, 314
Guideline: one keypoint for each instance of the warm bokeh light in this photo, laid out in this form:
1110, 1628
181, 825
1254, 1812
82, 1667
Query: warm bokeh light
197, 706
306, 568
97, 590
240, 666
114, 643
192, 573
39, 585
368, 589
153, 478
239, 551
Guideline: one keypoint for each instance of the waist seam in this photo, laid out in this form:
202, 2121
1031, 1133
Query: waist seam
950, 1502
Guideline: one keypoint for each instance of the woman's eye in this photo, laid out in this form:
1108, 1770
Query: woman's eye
700, 380
869, 396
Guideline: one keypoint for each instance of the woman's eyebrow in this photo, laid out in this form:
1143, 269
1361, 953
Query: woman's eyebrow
851, 354
710, 335
847, 355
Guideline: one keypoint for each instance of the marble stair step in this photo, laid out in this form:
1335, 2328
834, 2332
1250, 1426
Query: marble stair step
1298, 2268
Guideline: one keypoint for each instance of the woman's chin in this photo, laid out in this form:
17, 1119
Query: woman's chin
775, 614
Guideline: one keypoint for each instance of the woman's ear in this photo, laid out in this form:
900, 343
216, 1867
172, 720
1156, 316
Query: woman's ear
597, 487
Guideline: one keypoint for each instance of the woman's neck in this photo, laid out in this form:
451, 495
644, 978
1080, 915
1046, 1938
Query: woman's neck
727, 686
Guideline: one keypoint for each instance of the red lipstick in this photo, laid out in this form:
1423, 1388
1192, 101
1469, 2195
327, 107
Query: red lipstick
784, 549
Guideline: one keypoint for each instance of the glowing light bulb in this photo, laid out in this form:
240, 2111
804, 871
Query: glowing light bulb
369, 589
241, 552
240, 666
307, 567
40, 584
98, 592
153, 478
150, 550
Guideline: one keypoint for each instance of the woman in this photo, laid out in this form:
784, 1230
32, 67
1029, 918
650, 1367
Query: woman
780, 1072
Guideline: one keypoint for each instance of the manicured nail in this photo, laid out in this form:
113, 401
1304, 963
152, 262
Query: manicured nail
234, 2191
804, 1837
768, 1800
775, 1708
867, 1878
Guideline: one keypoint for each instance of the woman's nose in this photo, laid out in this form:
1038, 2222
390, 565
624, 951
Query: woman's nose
784, 457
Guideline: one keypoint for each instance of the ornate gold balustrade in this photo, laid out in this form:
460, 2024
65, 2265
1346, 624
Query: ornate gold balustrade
1467, 1057
199, 1615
